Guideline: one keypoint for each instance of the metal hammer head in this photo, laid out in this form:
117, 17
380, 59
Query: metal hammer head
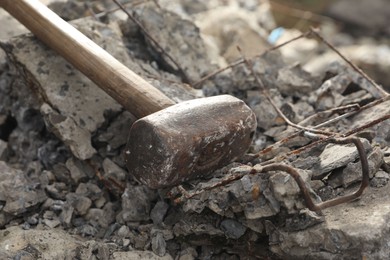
189, 140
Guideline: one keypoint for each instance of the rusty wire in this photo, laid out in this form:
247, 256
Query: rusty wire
321, 135
313, 132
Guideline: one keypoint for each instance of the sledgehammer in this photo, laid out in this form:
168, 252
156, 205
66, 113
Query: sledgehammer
170, 143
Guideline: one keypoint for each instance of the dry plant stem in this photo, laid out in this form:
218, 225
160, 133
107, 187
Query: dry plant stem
356, 68
298, 179
132, 18
241, 61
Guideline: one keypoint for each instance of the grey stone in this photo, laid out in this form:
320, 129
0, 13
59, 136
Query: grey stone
167, 233
100, 202
74, 123
169, 29
368, 17
141, 241
381, 130
301, 221
381, 179
78, 170
11, 27
382, 175
80, 203
353, 171
89, 190
294, 81
95, 215
51, 244
286, 190
46, 65
253, 224
266, 115
358, 229
159, 244
123, 231
189, 253
139, 255
57, 190
232, 228
158, 212
65, 128
116, 134
3, 149
50, 219
329, 94
136, 204
51, 223
66, 215
201, 224
112, 170
224, 27
96, 250
33, 220
335, 156
19, 193
126, 242
255, 195
87, 230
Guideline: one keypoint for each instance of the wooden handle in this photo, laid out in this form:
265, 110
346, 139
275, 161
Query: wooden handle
126, 87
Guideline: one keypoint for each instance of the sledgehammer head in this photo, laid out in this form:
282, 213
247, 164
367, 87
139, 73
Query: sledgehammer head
189, 140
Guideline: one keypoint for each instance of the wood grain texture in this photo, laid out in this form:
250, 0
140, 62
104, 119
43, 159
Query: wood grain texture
130, 90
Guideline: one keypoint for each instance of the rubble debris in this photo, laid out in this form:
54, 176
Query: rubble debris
294, 81
352, 172
18, 194
168, 29
232, 228
3, 149
232, 25
71, 134
256, 196
136, 210
74, 124
158, 212
260, 215
335, 156
380, 179
79, 171
381, 130
113, 137
362, 18
339, 236
139, 255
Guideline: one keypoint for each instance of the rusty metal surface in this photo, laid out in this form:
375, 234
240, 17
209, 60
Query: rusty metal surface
189, 140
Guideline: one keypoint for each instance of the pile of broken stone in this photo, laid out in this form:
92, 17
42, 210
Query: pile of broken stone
64, 187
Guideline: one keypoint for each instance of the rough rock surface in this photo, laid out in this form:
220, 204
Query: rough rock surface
73, 197
351, 231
